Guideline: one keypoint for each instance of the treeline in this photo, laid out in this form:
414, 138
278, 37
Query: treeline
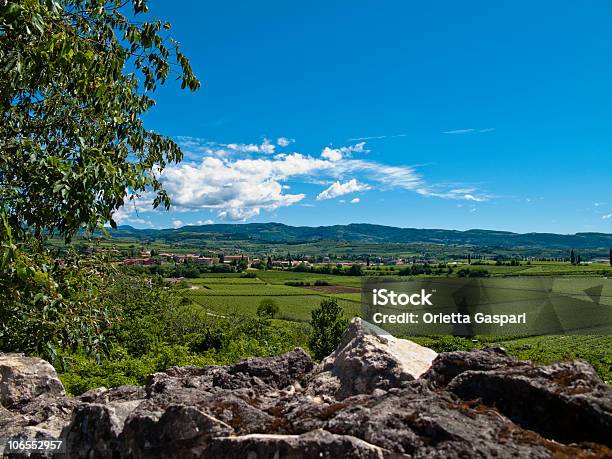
187, 269
338, 270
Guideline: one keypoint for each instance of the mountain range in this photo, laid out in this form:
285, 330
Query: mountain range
363, 232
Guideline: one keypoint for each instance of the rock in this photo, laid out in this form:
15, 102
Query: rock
116, 394
258, 374
25, 378
564, 401
450, 364
312, 445
278, 372
180, 432
375, 397
29, 433
368, 358
96, 429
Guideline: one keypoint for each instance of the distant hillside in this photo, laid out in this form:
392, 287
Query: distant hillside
363, 232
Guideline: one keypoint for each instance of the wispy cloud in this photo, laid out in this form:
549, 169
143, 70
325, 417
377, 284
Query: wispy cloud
377, 137
465, 194
355, 201
469, 131
606, 217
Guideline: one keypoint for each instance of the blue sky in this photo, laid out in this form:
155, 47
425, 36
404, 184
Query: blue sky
459, 115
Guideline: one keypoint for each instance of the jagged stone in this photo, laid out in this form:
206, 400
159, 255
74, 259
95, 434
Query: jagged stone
30, 433
375, 396
25, 378
368, 358
116, 394
312, 445
95, 430
450, 364
564, 401
180, 432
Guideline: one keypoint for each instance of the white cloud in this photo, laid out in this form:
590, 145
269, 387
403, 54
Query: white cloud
459, 131
239, 189
355, 201
331, 154
471, 197
469, 130
377, 137
265, 147
284, 141
605, 217
129, 215
465, 194
201, 223
177, 223
340, 189
336, 154
239, 181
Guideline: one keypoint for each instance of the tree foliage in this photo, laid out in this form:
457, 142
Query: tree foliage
267, 308
328, 325
46, 304
77, 76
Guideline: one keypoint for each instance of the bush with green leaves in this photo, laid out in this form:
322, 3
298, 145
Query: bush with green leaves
328, 325
46, 302
473, 272
267, 308
153, 329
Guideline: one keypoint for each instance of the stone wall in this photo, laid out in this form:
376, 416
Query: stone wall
376, 396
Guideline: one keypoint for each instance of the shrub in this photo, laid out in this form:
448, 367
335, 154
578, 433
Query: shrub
473, 272
321, 283
267, 308
328, 325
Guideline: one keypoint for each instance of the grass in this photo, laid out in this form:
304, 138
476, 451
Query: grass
251, 289
292, 307
230, 294
280, 277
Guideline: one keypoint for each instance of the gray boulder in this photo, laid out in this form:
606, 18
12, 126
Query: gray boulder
312, 445
25, 378
565, 401
368, 358
375, 397
448, 365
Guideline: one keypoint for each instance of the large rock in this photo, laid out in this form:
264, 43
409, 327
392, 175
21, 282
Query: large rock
368, 358
375, 397
564, 401
317, 444
24, 378
448, 365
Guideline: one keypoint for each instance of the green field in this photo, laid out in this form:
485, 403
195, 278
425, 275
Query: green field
280, 277
292, 307
223, 294
235, 295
